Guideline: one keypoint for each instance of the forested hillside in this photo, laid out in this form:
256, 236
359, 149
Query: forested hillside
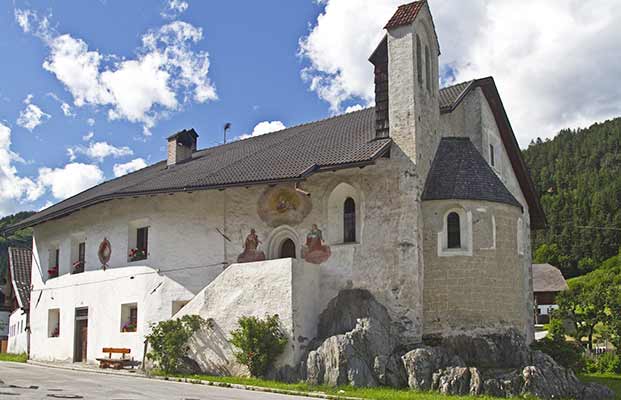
21, 238
578, 177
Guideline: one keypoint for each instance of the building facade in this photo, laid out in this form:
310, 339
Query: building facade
423, 200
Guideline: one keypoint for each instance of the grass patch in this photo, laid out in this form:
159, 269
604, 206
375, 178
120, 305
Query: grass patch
613, 381
21, 358
380, 393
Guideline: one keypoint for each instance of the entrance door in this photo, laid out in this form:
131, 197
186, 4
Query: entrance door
81, 335
287, 249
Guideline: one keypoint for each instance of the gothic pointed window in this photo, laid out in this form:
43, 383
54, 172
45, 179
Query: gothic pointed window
349, 221
453, 231
428, 68
419, 61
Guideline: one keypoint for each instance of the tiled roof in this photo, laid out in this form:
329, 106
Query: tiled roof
405, 14
459, 171
287, 155
548, 278
20, 268
450, 96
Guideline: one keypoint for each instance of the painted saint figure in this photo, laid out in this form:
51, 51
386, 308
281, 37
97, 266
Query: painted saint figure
315, 251
251, 252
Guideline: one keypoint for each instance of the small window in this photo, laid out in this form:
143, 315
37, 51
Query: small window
54, 262
53, 323
349, 221
78, 265
492, 159
419, 61
453, 231
129, 317
141, 250
428, 68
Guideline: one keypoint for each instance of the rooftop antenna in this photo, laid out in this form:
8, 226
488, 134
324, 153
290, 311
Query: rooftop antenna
227, 126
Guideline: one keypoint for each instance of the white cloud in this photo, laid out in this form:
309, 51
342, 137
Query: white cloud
264, 127
131, 166
173, 8
355, 107
31, 116
556, 64
14, 189
66, 109
166, 72
69, 180
90, 122
99, 151
88, 136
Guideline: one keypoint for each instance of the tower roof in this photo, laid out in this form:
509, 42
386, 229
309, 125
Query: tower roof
405, 14
460, 172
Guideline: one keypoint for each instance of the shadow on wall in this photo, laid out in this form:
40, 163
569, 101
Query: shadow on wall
213, 352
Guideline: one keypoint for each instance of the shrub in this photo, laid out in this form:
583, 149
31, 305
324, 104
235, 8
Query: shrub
260, 342
567, 354
606, 363
169, 341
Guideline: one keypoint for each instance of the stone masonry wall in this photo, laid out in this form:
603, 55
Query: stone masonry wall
485, 290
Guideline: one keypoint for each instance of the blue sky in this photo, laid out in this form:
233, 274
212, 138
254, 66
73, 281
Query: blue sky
91, 89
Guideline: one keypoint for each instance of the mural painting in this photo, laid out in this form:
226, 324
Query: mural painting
315, 251
104, 252
283, 205
251, 252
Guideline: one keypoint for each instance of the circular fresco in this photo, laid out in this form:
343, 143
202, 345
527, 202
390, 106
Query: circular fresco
104, 252
280, 205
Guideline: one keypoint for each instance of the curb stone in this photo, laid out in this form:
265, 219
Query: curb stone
317, 395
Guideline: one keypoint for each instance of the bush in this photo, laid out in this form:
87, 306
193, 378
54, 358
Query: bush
607, 363
260, 342
169, 341
567, 354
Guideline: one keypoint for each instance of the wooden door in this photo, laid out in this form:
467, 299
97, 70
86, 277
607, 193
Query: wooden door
83, 340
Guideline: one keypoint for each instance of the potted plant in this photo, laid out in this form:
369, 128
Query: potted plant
137, 254
78, 266
129, 326
53, 272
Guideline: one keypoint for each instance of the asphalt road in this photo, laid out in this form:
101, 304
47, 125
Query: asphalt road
24, 381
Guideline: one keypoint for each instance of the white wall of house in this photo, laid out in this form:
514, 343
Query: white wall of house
18, 333
103, 293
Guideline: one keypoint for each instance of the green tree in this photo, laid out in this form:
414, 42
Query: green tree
260, 342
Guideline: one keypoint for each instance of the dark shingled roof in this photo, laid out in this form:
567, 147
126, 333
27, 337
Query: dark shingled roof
451, 96
548, 278
405, 14
459, 171
20, 269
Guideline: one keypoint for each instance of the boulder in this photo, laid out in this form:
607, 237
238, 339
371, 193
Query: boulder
358, 345
421, 363
546, 379
342, 312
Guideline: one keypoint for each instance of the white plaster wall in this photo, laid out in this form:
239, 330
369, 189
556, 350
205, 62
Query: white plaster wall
285, 287
103, 292
18, 342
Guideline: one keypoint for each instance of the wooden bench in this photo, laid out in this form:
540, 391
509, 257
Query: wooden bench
116, 363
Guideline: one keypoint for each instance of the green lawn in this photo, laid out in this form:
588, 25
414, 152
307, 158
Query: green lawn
611, 380
22, 358
366, 393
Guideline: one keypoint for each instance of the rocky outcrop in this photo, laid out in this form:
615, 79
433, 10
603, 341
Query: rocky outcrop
496, 364
360, 345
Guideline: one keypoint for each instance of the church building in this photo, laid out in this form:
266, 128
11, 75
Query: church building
424, 200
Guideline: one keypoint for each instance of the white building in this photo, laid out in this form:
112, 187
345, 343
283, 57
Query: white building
20, 267
424, 200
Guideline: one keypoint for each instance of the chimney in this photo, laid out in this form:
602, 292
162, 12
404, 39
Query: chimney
181, 145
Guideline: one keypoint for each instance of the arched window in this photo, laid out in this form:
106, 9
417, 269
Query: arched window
428, 68
453, 231
419, 61
349, 221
